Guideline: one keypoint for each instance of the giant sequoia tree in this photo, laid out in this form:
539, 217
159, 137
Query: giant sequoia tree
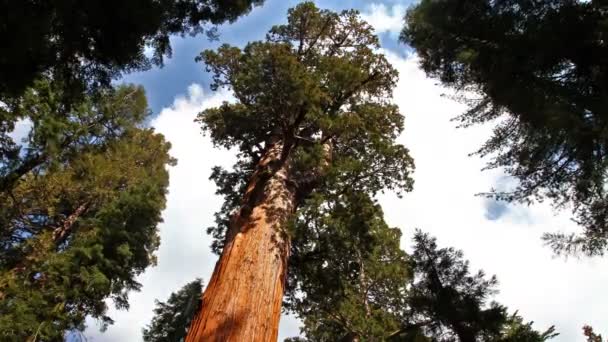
538, 68
80, 202
313, 117
91, 42
349, 281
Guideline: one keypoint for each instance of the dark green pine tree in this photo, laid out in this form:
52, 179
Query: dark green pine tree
515, 329
446, 300
538, 69
80, 223
427, 296
172, 318
313, 116
87, 43
448, 303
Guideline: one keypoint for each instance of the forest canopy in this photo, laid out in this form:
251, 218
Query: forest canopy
86, 44
537, 70
81, 198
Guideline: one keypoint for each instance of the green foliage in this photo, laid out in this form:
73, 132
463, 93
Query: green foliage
79, 225
59, 132
172, 318
452, 300
516, 330
348, 275
538, 69
87, 43
317, 86
448, 303
429, 295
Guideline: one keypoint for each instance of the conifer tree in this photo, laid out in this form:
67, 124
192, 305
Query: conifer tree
448, 303
172, 318
431, 296
88, 43
79, 223
58, 132
516, 329
538, 69
454, 302
313, 116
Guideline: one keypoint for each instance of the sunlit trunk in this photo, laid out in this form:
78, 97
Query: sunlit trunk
242, 301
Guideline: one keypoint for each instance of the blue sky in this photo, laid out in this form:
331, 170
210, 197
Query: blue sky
501, 239
163, 84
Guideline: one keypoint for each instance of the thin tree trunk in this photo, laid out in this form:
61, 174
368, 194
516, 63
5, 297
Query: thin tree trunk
61, 233
242, 301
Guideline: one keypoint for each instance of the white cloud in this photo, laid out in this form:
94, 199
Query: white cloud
21, 131
384, 18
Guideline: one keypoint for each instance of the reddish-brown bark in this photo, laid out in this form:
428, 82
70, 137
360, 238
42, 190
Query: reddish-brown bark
242, 301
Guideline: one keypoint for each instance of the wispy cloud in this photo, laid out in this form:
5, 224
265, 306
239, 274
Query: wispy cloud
385, 18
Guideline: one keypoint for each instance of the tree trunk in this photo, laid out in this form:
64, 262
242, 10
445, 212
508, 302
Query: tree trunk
61, 233
242, 301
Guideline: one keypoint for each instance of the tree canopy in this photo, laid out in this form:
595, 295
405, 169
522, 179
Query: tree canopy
58, 132
445, 294
317, 85
81, 201
538, 70
86, 43
172, 318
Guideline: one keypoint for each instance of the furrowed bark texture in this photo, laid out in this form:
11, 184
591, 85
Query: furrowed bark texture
243, 299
